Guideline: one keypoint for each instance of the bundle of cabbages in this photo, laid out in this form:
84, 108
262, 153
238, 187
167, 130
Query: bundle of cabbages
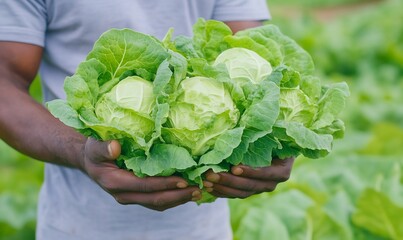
185, 105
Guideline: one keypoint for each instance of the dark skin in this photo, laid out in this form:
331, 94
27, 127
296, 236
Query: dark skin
29, 128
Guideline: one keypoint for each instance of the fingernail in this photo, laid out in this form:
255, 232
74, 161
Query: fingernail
110, 149
213, 177
196, 196
209, 189
208, 184
237, 171
181, 185
195, 199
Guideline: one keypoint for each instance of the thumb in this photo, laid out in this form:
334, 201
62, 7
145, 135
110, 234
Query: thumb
102, 150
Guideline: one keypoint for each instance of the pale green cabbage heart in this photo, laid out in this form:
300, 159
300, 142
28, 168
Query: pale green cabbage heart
128, 106
202, 112
244, 66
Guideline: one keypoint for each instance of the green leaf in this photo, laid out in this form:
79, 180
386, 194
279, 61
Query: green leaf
258, 226
124, 50
264, 109
265, 47
330, 106
208, 38
295, 106
78, 93
195, 175
92, 71
294, 55
379, 215
323, 226
223, 147
166, 158
249, 136
63, 111
259, 153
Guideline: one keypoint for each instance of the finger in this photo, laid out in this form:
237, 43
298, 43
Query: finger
279, 171
160, 200
195, 197
163, 208
228, 192
240, 183
119, 180
102, 150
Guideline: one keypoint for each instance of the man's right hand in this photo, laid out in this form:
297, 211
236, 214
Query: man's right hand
158, 193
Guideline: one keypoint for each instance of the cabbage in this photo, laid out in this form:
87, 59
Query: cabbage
128, 106
202, 112
244, 66
186, 105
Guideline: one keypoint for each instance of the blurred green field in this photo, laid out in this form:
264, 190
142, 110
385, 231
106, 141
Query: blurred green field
354, 193
20, 180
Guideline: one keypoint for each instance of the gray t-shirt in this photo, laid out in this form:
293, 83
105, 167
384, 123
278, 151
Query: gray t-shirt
72, 206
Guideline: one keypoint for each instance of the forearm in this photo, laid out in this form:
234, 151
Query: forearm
242, 25
29, 128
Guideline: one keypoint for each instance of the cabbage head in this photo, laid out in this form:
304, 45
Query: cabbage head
128, 106
244, 66
203, 111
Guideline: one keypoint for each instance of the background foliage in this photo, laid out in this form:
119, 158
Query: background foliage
354, 193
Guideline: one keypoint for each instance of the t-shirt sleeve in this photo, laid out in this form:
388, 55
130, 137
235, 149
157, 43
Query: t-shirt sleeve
23, 21
241, 10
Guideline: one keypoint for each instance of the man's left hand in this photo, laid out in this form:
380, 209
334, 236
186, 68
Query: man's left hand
244, 181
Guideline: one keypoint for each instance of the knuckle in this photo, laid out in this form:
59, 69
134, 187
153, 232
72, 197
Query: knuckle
144, 186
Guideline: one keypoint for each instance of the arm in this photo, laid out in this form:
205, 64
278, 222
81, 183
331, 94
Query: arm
244, 181
241, 25
31, 129
25, 124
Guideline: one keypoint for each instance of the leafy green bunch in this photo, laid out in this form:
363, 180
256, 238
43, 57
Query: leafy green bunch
185, 105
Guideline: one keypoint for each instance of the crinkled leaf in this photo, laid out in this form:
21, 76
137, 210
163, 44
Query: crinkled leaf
265, 47
223, 147
295, 106
264, 109
208, 38
164, 159
78, 93
124, 50
259, 152
330, 106
63, 111
293, 54
308, 139
248, 137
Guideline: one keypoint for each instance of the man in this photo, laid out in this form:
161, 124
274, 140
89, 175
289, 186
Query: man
84, 195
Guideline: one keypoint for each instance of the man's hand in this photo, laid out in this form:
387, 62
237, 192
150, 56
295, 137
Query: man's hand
158, 193
244, 181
